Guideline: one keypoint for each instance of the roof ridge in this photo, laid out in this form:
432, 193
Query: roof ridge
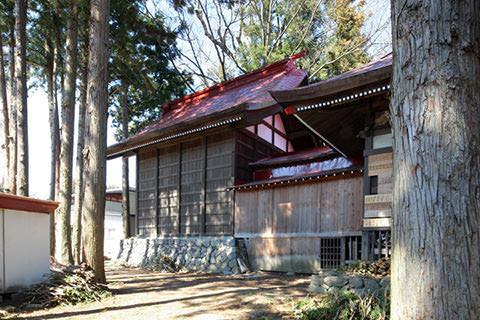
235, 82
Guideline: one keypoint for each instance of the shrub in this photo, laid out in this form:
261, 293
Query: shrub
344, 305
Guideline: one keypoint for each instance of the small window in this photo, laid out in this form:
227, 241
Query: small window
330, 253
374, 185
265, 132
280, 142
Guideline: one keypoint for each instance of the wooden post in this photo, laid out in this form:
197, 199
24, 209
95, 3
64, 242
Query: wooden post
157, 207
204, 190
179, 187
137, 187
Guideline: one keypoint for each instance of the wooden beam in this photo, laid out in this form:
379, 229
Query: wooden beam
179, 187
329, 234
157, 207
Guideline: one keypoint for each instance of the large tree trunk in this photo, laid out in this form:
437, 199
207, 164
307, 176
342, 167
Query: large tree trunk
53, 121
63, 232
95, 138
21, 96
12, 139
57, 73
77, 211
125, 184
436, 129
4, 103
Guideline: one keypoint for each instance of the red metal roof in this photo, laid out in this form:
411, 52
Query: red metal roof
248, 92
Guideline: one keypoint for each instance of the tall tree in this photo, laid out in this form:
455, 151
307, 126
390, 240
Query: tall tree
12, 111
79, 190
436, 128
95, 138
241, 36
21, 95
62, 218
4, 103
143, 47
125, 184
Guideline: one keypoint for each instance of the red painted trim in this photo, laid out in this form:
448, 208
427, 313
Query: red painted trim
13, 202
290, 110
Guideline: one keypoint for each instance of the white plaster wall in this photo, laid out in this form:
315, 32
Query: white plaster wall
26, 248
113, 232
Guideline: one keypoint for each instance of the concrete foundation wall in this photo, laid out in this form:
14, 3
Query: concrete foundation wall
210, 254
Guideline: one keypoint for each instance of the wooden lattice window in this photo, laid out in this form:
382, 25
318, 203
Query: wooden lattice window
330, 253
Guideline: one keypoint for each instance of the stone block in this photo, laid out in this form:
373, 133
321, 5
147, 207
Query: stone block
335, 281
370, 285
355, 282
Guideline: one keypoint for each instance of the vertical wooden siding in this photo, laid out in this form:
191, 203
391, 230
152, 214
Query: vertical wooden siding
146, 193
285, 224
192, 179
168, 175
330, 206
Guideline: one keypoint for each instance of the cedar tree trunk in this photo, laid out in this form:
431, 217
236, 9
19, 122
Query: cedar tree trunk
436, 128
95, 138
21, 96
125, 186
63, 233
3, 98
53, 121
12, 113
77, 211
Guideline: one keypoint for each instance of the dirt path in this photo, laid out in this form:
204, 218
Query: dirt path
140, 294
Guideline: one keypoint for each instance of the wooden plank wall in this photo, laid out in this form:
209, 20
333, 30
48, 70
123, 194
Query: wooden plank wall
331, 206
146, 193
192, 181
284, 225
189, 197
168, 196
219, 176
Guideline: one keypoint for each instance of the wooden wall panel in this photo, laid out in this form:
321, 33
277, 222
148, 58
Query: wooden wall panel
321, 207
219, 176
191, 188
168, 170
146, 193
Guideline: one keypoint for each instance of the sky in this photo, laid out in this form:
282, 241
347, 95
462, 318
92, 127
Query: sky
39, 130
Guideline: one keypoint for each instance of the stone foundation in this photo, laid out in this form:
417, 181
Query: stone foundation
210, 254
332, 280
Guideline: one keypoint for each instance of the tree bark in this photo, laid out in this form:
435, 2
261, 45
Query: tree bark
125, 184
53, 121
77, 211
63, 232
95, 138
21, 96
436, 128
57, 72
3, 97
12, 113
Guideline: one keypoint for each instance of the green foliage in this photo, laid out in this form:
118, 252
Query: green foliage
330, 32
142, 48
344, 305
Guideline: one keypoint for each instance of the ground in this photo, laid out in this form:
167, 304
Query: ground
141, 294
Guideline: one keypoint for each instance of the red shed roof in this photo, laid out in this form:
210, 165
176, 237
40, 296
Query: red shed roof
246, 93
